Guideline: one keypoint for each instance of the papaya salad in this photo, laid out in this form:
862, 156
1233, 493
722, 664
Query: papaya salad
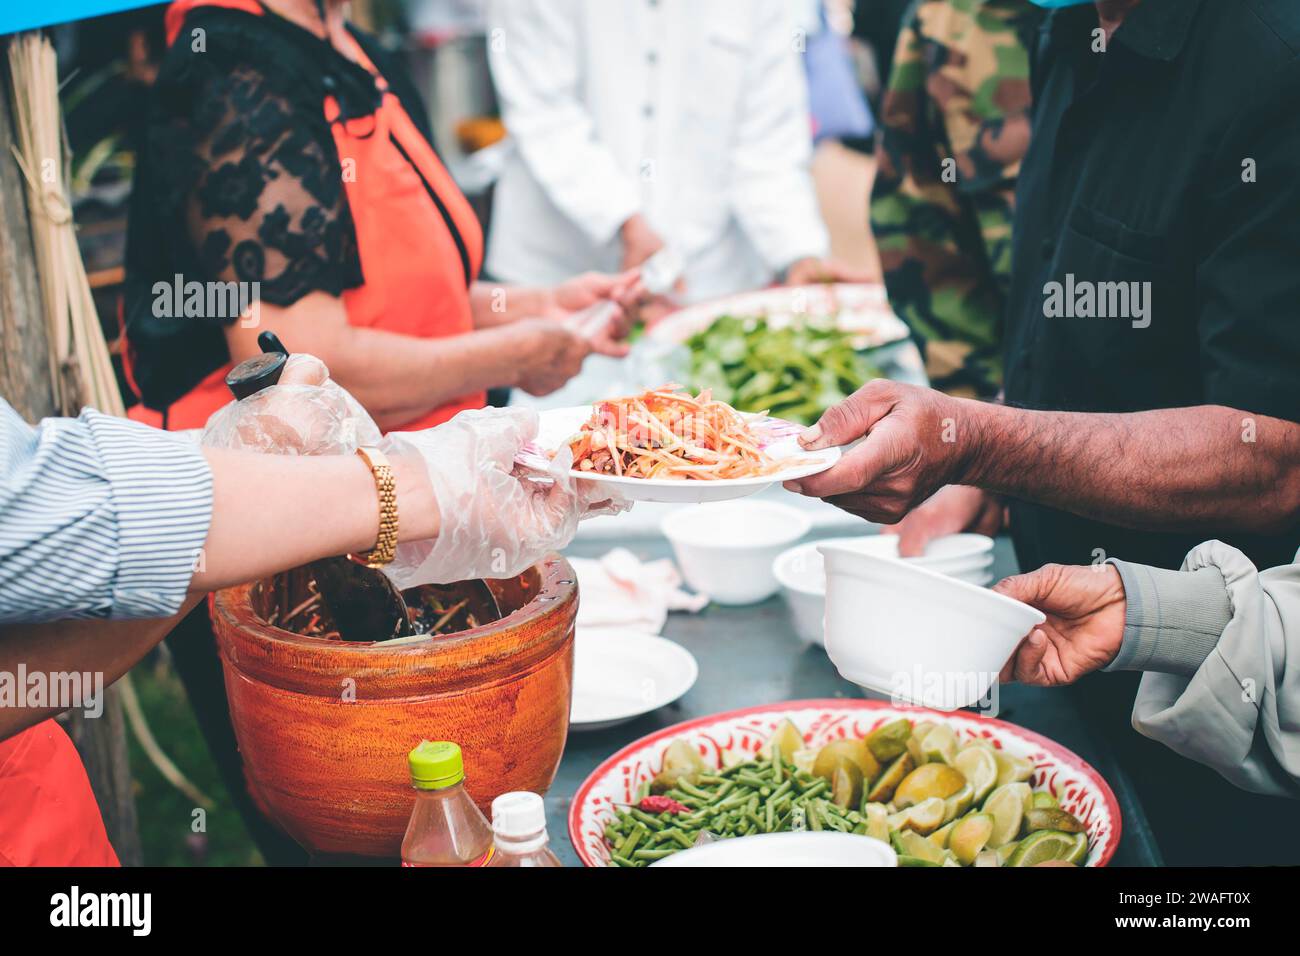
668, 433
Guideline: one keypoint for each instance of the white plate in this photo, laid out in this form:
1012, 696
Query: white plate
808, 848
558, 425
619, 675
861, 310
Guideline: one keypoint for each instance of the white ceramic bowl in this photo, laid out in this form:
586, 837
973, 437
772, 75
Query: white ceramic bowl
800, 574
921, 637
808, 848
726, 550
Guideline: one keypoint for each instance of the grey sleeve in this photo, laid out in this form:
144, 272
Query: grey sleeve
1238, 711
1172, 620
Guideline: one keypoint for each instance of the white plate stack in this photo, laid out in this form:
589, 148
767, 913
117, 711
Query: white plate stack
966, 557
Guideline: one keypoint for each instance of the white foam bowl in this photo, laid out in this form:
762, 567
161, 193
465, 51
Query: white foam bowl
807, 848
919, 636
802, 579
726, 550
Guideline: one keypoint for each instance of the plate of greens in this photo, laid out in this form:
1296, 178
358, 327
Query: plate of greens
791, 351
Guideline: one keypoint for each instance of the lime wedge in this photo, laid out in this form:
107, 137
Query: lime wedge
958, 803
980, 768
940, 836
1006, 805
939, 744
911, 843
969, 837
1043, 799
877, 821
1046, 845
889, 741
1012, 769
885, 785
929, 780
1052, 818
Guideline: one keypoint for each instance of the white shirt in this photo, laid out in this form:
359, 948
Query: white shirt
692, 112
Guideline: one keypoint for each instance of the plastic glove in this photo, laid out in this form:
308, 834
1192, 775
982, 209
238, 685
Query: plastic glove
494, 522
306, 413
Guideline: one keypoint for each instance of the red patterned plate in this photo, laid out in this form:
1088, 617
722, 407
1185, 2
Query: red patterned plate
1078, 787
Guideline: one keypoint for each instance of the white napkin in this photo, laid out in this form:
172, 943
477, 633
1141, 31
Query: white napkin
621, 590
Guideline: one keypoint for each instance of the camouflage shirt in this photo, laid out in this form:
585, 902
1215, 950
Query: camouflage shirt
955, 125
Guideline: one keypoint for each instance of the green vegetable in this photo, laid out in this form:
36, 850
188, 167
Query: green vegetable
795, 372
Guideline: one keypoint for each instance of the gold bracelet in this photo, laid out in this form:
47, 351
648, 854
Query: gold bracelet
386, 541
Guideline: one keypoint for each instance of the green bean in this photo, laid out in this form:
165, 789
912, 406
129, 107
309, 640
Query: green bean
815, 789
653, 854
691, 790
680, 838
649, 819
726, 787
620, 861
629, 842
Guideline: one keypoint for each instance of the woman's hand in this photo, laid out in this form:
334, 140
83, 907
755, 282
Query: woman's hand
550, 353
600, 308
305, 413
1085, 609
494, 522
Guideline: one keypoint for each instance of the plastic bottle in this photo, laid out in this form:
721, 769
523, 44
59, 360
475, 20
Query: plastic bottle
446, 828
519, 825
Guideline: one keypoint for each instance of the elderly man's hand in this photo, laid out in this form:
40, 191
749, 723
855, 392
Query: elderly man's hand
915, 442
1085, 609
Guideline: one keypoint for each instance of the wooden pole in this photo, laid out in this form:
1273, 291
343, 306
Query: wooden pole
26, 384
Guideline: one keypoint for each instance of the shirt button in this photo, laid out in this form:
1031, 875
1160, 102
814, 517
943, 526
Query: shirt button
651, 57
648, 110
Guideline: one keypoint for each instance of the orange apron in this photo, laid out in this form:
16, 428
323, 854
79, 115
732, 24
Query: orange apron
408, 214
48, 814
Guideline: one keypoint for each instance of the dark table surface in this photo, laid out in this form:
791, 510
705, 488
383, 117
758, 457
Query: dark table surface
750, 655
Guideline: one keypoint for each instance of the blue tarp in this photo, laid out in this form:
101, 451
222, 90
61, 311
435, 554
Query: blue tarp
18, 15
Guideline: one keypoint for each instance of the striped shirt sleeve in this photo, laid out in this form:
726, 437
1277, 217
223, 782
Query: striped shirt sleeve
99, 518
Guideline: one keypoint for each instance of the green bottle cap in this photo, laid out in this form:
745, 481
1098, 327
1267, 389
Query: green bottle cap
436, 764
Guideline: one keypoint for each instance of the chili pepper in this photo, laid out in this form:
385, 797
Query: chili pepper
654, 804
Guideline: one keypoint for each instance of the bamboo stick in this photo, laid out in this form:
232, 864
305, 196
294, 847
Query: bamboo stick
79, 361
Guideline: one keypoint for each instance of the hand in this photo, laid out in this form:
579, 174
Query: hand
640, 242
596, 295
813, 270
951, 509
493, 523
911, 449
588, 288
1085, 610
550, 354
305, 413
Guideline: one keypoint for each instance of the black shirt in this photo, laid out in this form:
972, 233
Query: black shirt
1171, 160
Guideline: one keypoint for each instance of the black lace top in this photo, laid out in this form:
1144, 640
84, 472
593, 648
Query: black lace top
239, 180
